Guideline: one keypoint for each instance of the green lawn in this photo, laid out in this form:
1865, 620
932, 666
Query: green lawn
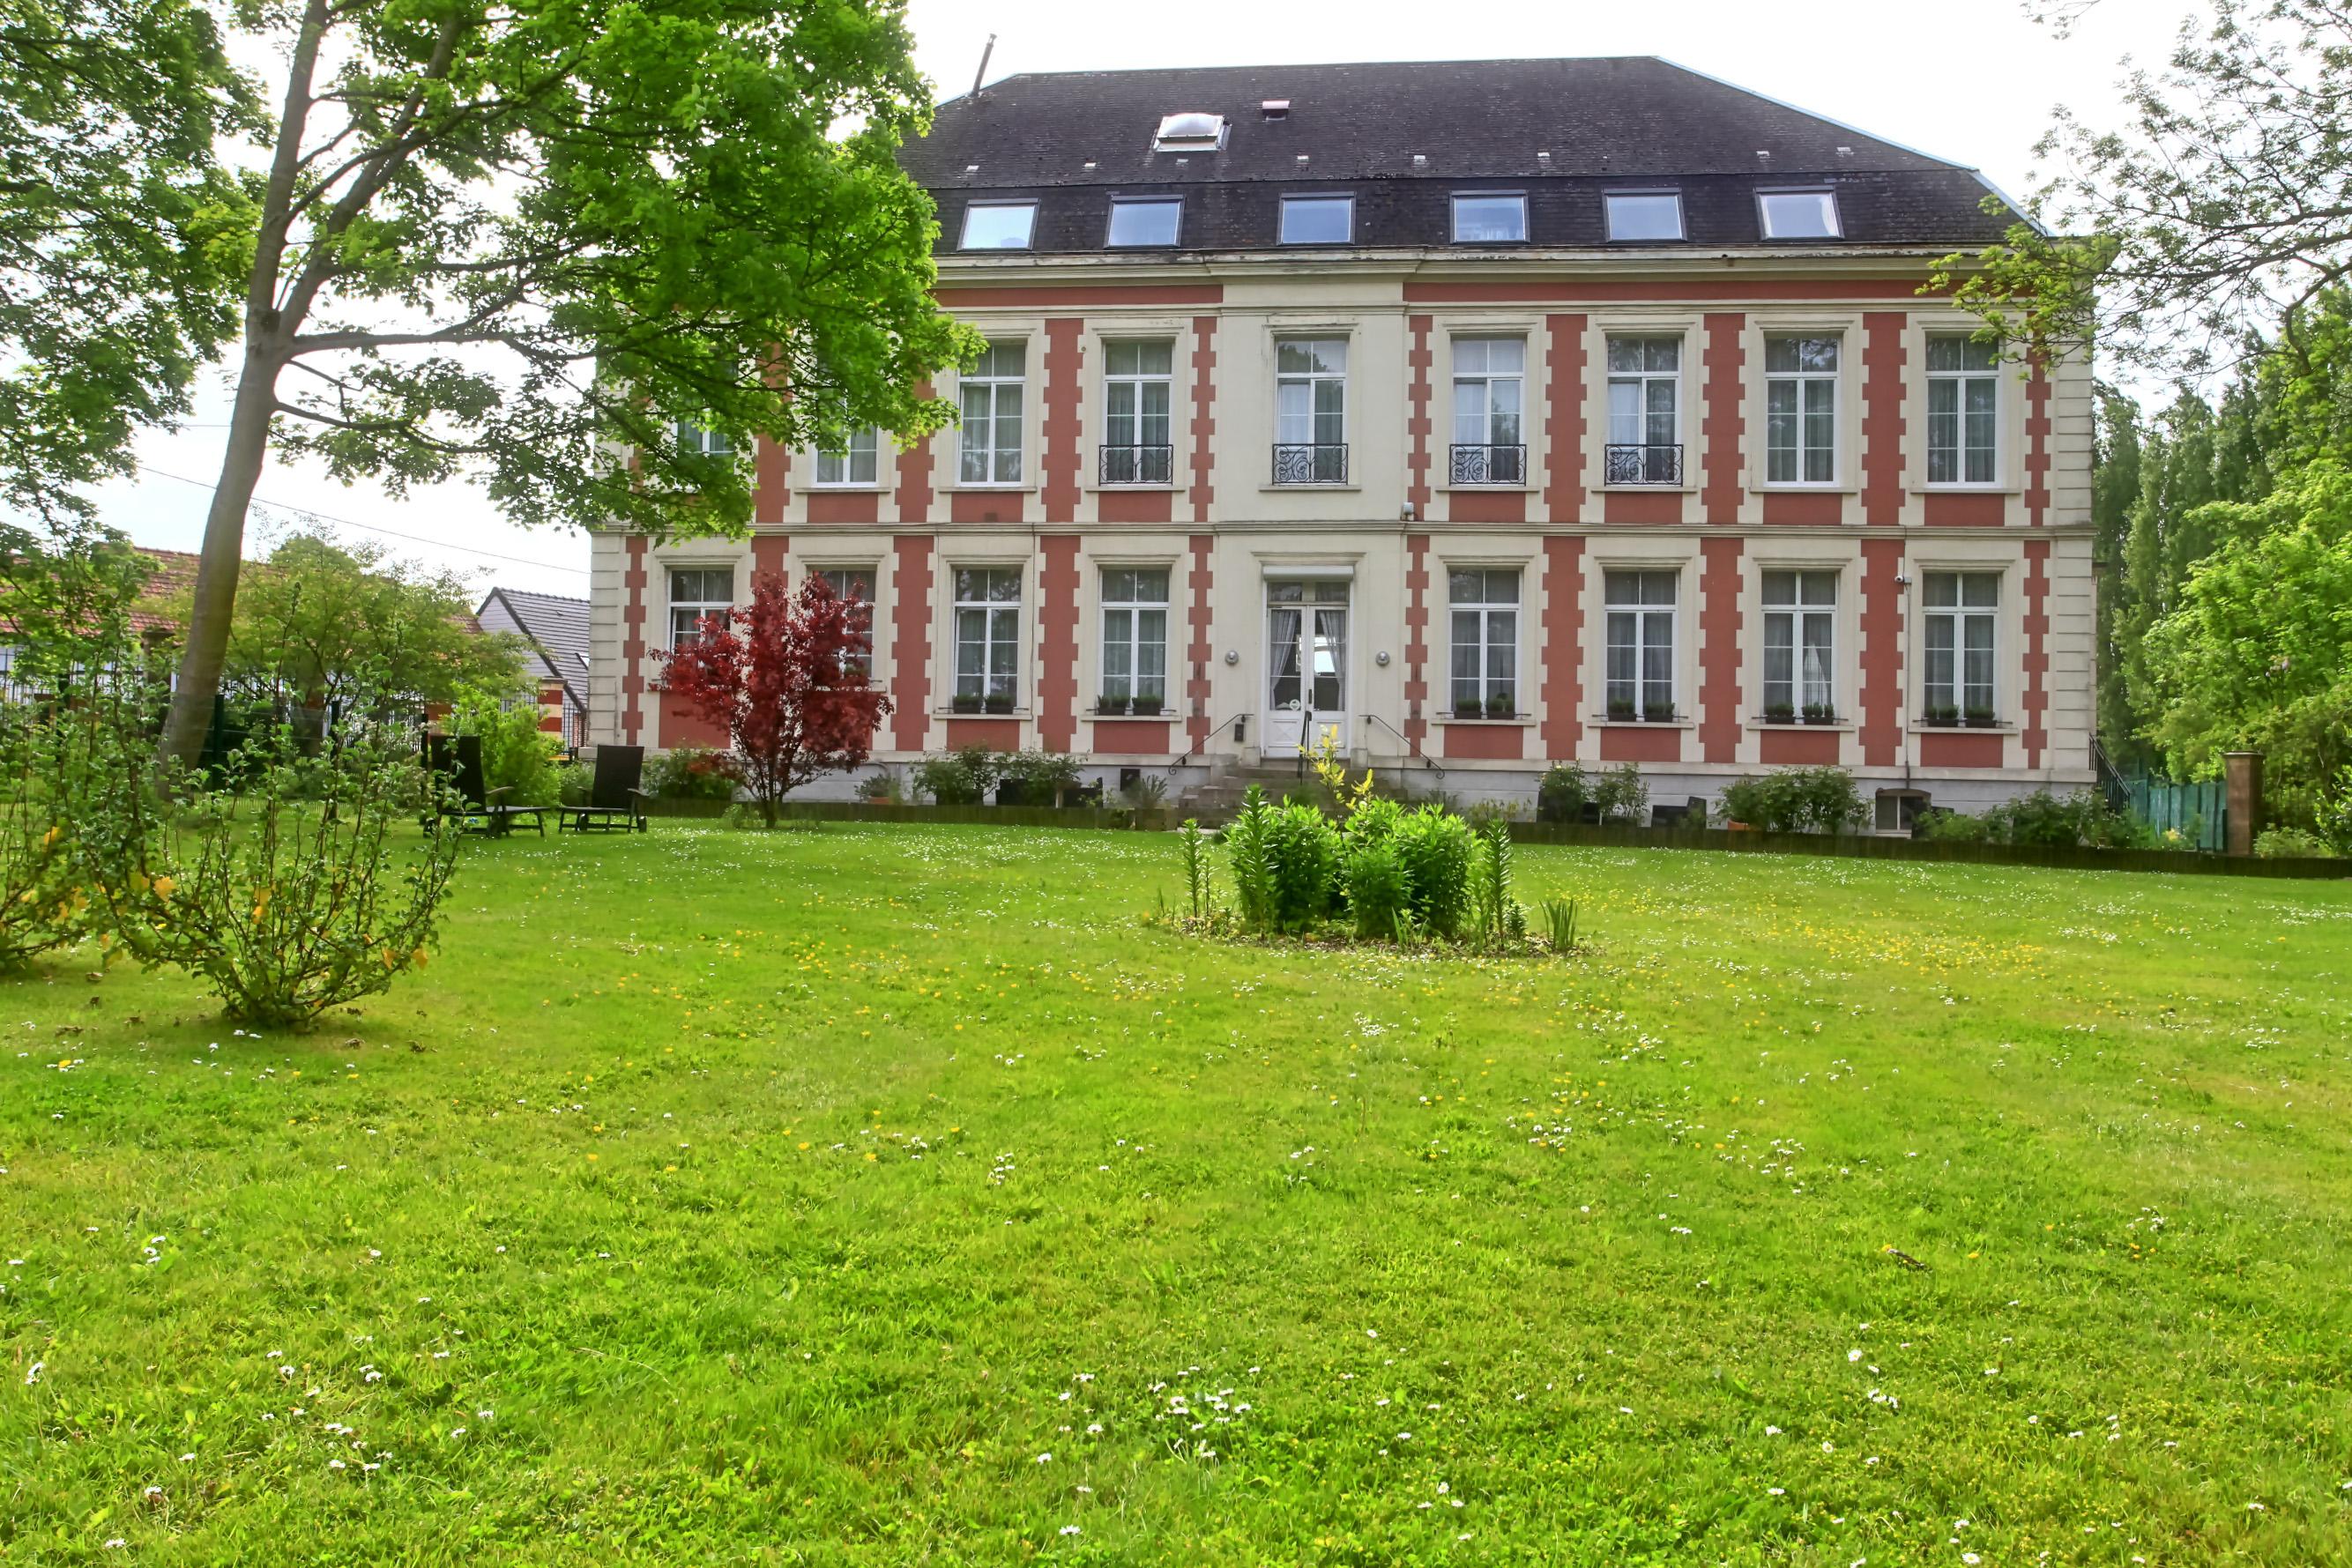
897, 1195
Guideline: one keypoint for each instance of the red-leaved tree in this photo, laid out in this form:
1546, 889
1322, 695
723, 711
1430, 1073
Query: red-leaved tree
786, 677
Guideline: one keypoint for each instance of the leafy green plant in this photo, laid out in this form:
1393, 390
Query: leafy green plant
883, 787
691, 773
1145, 791
1045, 778
2291, 844
1796, 801
961, 778
1378, 895
1559, 923
1194, 843
1562, 794
1305, 850
1435, 847
1621, 796
283, 906
1248, 842
575, 783
1490, 881
517, 755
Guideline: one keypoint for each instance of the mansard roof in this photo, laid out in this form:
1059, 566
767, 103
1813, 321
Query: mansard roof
1403, 138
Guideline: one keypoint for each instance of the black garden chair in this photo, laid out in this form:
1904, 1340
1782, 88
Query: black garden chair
615, 803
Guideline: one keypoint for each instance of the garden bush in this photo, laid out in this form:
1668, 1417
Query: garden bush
2291, 844
1796, 801
1435, 847
961, 778
2044, 820
517, 755
1041, 778
1374, 882
576, 784
1305, 853
691, 773
1562, 795
1621, 796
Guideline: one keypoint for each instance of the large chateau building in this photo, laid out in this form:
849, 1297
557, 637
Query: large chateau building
1476, 415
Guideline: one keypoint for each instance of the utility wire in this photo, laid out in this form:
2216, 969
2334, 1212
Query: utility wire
372, 529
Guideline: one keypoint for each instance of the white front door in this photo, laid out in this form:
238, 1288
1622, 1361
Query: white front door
1305, 666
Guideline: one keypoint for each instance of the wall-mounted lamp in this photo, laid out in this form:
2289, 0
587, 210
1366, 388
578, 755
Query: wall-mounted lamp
1381, 659
1902, 580
1232, 656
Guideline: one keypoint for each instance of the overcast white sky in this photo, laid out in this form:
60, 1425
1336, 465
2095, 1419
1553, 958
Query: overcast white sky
1978, 90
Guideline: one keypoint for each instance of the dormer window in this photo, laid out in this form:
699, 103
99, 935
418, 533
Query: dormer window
1317, 220
1490, 220
1144, 220
1798, 214
1190, 133
1644, 214
999, 225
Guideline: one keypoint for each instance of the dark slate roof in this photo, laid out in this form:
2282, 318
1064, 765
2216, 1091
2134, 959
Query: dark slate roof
556, 626
1073, 139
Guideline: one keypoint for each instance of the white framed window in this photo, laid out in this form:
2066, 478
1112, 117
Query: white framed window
696, 592
1134, 638
1489, 391
989, 446
855, 583
1963, 412
1490, 219
1962, 630
1145, 220
1640, 606
1645, 400
1800, 644
988, 634
701, 441
1310, 410
1485, 603
1798, 214
859, 463
1317, 220
1801, 409
1138, 397
1643, 214
998, 226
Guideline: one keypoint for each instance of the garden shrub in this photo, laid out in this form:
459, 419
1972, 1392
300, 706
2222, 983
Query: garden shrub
1373, 821
517, 755
1374, 881
1491, 905
1622, 797
1248, 841
961, 778
1796, 801
1306, 860
1435, 847
2048, 821
52, 768
2291, 844
576, 784
1045, 778
1944, 827
1562, 795
689, 773
283, 907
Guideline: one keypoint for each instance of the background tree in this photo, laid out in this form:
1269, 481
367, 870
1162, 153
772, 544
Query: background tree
323, 623
2198, 227
785, 677
120, 233
506, 241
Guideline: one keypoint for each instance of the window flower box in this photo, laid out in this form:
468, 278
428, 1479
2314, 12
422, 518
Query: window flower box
1501, 705
1820, 713
1110, 707
1942, 716
1780, 713
1147, 707
997, 703
964, 702
1982, 718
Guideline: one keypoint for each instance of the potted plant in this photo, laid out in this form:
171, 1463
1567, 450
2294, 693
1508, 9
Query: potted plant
1148, 706
1501, 705
965, 702
997, 702
1780, 713
1109, 707
1820, 713
1621, 709
1469, 707
1942, 715
1662, 712
1981, 718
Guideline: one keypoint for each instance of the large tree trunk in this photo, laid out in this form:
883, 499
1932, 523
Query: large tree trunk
266, 339
216, 594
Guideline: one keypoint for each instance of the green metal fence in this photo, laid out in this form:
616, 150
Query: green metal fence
2199, 812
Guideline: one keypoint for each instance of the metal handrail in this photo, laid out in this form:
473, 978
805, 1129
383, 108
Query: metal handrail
1412, 747
1213, 729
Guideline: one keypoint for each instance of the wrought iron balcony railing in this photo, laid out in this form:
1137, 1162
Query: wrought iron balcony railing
1310, 462
1139, 464
1490, 464
1648, 465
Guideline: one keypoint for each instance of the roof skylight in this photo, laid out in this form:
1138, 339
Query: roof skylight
1190, 133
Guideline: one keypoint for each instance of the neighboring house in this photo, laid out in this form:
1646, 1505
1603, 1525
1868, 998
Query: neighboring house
1477, 415
557, 629
173, 578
